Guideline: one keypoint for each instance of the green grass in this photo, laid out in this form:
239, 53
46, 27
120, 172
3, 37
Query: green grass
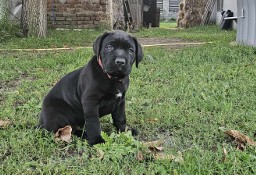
55, 38
71, 38
168, 25
209, 33
192, 92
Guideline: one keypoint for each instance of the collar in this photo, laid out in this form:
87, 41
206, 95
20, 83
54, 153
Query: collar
101, 65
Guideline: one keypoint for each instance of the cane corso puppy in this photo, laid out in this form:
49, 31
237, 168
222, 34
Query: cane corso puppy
83, 96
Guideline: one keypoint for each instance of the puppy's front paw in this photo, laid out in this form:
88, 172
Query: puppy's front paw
134, 131
96, 140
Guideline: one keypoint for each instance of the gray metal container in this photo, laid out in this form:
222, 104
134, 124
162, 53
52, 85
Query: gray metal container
246, 22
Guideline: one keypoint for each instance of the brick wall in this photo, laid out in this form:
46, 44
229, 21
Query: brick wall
77, 13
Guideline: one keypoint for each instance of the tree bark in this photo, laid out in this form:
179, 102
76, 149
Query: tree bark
34, 18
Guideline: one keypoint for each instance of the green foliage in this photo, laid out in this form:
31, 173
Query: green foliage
103, 25
168, 25
189, 93
207, 33
8, 30
119, 145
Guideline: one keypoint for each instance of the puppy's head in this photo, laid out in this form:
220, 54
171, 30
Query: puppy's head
117, 51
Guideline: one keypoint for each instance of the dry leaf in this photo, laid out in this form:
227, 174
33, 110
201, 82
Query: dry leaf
163, 156
156, 148
152, 120
240, 146
5, 123
154, 143
64, 134
241, 139
179, 157
159, 148
100, 154
140, 156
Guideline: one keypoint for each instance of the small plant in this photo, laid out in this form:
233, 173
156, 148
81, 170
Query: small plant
103, 25
118, 145
7, 29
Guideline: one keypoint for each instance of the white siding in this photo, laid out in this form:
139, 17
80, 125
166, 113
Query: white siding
246, 26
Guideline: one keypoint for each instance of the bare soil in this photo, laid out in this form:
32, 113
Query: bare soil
170, 43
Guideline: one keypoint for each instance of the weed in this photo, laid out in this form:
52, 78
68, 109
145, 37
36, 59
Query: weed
8, 30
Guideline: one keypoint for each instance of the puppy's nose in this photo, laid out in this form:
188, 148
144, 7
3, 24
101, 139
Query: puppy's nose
120, 61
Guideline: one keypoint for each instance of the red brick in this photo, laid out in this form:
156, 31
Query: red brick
80, 22
60, 18
96, 22
69, 19
81, 18
59, 22
66, 22
95, 1
80, 14
103, 2
80, 26
57, 26
73, 23
65, 14
58, 14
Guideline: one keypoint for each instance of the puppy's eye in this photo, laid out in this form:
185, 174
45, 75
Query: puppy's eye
109, 48
131, 50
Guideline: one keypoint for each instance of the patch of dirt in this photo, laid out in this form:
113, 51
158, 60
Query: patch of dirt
170, 43
152, 41
6, 87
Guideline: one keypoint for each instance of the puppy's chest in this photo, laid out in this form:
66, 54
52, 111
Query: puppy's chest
109, 102
112, 99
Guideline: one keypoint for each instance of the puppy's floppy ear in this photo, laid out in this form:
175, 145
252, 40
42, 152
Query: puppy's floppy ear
138, 52
98, 43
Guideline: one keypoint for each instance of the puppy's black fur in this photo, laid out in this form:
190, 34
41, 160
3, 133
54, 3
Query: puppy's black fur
83, 96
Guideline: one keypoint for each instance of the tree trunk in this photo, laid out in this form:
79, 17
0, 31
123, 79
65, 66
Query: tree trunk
34, 19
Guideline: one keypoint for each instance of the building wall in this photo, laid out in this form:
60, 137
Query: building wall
77, 13
168, 8
90, 13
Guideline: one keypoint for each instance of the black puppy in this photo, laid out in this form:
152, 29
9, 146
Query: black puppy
81, 97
